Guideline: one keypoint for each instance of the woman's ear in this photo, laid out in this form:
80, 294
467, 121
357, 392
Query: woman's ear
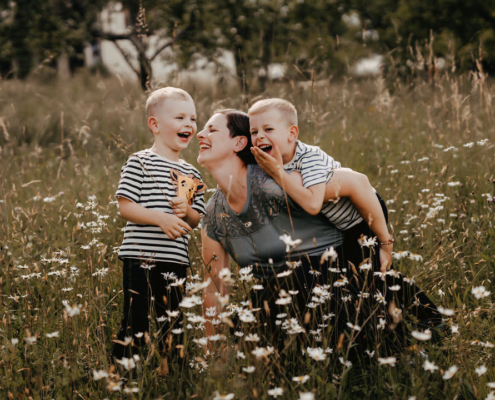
241, 143
294, 132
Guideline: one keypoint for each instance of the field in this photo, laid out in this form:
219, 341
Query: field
427, 149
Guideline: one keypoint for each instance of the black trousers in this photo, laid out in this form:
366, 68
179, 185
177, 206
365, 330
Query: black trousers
148, 294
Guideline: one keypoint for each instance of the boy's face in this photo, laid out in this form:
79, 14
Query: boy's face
270, 129
174, 123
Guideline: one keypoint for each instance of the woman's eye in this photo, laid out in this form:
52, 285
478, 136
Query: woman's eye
269, 129
179, 117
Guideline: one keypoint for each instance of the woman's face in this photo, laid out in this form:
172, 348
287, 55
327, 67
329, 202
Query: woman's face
215, 143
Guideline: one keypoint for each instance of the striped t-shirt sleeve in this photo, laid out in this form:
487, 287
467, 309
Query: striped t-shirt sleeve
314, 168
131, 180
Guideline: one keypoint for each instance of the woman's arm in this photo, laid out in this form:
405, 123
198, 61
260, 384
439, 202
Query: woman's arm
215, 258
348, 183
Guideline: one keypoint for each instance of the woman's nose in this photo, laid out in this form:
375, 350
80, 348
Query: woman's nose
201, 134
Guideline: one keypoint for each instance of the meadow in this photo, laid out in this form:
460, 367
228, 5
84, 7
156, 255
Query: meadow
428, 149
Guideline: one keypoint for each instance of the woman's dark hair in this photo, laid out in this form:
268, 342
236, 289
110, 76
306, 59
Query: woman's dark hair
238, 124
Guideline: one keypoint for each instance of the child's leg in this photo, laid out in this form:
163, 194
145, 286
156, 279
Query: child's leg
167, 298
136, 308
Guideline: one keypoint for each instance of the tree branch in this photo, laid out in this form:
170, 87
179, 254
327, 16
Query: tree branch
168, 44
126, 57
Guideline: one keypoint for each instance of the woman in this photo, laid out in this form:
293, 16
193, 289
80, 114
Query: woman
250, 218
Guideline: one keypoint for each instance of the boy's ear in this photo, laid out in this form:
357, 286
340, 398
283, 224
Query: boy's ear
153, 124
294, 132
241, 143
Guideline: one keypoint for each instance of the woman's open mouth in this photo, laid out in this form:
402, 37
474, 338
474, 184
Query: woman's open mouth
204, 146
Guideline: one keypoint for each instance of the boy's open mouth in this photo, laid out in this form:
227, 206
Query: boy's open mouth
184, 135
265, 147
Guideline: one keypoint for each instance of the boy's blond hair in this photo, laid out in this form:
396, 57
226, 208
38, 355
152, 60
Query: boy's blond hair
158, 96
287, 109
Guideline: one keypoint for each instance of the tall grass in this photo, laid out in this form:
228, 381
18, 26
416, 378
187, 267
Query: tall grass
423, 148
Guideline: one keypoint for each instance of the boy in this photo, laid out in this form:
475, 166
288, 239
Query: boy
161, 197
274, 131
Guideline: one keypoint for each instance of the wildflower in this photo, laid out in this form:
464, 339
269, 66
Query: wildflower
394, 288
426, 335
445, 311
347, 298
346, 364
131, 390
14, 341
219, 396
71, 310
365, 267
450, 372
249, 369
169, 276
481, 142
379, 297
452, 184
283, 301
252, 337
301, 379
381, 324
201, 341
429, 366
261, 352
370, 353
441, 293
162, 318
177, 331
387, 361
276, 392
365, 242
355, 327
173, 314
30, 339
285, 273
240, 354
329, 253
481, 370
480, 292
491, 385
52, 335
341, 282
114, 386
316, 354
189, 302
258, 287
364, 295
289, 243
97, 375
127, 363
293, 264
455, 329
239, 334
307, 396
149, 267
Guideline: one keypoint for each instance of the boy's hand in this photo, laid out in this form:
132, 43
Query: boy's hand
385, 258
273, 166
173, 226
180, 206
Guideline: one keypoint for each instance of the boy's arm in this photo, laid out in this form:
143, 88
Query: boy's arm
348, 183
215, 258
170, 224
310, 199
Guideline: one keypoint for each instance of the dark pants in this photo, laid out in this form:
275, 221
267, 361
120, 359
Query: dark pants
146, 294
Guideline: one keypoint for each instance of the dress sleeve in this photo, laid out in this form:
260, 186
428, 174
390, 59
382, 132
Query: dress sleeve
131, 180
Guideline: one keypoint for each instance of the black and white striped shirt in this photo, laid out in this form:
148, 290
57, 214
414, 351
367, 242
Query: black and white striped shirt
149, 242
315, 167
